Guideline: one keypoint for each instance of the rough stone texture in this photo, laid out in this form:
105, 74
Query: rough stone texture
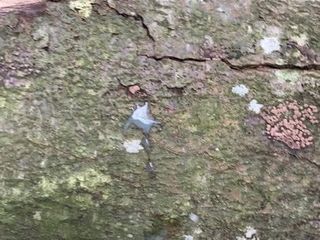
63, 98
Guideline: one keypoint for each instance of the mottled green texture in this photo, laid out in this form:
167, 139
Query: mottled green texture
64, 101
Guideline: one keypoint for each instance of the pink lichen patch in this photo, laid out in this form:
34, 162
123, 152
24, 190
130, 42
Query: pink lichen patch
287, 123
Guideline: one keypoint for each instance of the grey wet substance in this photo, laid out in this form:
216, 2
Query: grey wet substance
145, 142
142, 119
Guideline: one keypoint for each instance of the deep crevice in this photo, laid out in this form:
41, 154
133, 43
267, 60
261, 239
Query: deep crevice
136, 17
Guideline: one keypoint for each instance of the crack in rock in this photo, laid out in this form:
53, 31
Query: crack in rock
240, 67
174, 58
136, 17
249, 66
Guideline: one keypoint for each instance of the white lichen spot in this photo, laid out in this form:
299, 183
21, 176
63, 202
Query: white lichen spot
193, 217
301, 39
91, 92
240, 238
240, 90
83, 7
197, 231
255, 106
250, 232
133, 146
130, 235
37, 215
188, 237
270, 44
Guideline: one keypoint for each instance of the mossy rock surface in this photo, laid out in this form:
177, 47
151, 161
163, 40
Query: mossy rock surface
64, 99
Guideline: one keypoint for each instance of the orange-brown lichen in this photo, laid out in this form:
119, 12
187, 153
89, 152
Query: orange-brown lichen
286, 123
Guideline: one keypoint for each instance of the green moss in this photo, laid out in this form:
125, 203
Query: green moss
47, 187
2, 102
89, 179
289, 76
